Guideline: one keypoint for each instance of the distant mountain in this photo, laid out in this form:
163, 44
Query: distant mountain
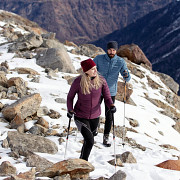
158, 35
85, 20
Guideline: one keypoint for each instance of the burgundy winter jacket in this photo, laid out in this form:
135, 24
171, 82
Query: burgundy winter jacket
88, 106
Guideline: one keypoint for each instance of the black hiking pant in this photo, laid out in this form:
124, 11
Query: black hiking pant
108, 117
87, 127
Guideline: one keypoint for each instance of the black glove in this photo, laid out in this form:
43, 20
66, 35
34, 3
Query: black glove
70, 114
125, 74
113, 109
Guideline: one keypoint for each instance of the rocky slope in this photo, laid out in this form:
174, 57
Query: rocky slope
158, 35
82, 21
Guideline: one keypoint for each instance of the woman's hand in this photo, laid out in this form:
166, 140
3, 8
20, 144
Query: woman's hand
70, 114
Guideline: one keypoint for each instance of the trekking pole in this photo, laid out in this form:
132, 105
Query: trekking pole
67, 137
114, 143
123, 143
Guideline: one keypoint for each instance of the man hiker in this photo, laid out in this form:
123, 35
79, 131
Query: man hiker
109, 65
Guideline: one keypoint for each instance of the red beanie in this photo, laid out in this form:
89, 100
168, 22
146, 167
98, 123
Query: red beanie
87, 64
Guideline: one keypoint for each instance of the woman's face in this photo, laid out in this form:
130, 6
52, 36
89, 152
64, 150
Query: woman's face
92, 72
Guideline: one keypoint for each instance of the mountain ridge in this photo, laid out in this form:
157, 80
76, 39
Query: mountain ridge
158, 35
82, 21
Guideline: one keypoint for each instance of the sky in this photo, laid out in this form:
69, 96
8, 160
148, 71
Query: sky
144, 112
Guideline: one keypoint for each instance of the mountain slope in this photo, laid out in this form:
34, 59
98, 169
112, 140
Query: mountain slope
158, 35
82, 21
150, 121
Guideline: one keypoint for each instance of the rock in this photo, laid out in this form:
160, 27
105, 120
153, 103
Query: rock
177, 126
42, 111
89, 50
119, 175
49, 35
61, 140
76, 168
43, 123
4, 69
168, 146
153, 84
35, 79
5, 63
168, 81
26, 42
29, 175
23, 143
70, 43
26, 106
16, 122
121, 91
22, 70
34, 160
60, 100
54, 114
134, 70
118, 162
170, 164
63, 177
51, 132
1, 106
20, 85
38, 130
6, 169
133, 122
167, 110
3, 79
55, 58
134, 54
127, 157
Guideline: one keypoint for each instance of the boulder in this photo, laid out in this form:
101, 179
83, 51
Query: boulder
26, 106
23, 143
20, 85
34, 160
119, 175
6, 168
134, 54
55, 58
76, 168
170, 164
26, 42
89, 50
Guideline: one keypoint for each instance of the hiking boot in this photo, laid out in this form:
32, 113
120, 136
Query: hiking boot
106, 140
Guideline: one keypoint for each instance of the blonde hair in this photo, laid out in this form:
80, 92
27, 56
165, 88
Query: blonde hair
86, 84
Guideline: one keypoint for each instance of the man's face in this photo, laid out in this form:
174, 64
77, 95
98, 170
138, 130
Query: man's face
111, 52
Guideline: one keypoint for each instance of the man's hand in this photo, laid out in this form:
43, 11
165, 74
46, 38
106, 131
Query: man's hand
125, 74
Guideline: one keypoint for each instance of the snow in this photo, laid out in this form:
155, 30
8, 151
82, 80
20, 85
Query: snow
145, 112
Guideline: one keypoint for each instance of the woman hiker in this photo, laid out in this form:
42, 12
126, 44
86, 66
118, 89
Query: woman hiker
89, 87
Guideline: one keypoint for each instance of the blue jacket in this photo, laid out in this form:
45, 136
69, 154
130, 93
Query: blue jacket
110, 69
